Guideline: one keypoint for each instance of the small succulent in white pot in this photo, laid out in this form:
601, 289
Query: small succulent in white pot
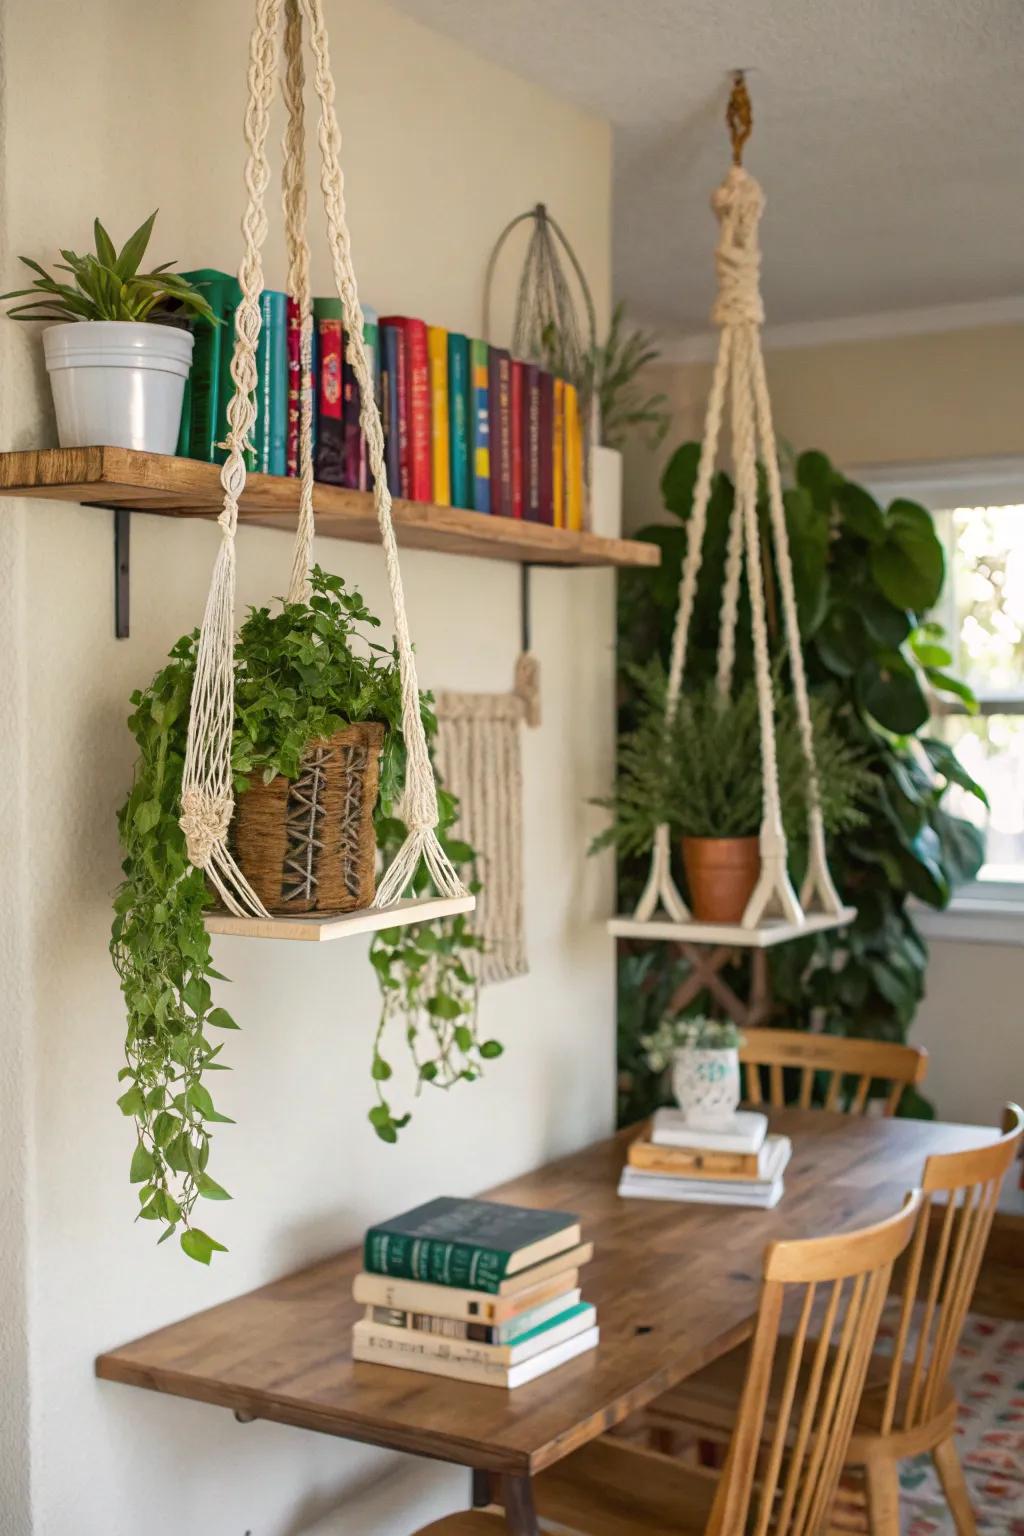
120, 354
704, 1056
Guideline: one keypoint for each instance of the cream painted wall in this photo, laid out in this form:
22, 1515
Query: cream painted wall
909, 399
441, 149
905, 399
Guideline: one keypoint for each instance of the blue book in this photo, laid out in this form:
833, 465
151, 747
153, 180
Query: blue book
479, 424
458, 413
270, 430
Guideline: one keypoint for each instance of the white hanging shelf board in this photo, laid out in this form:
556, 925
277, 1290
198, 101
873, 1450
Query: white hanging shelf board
773, 930
311, 929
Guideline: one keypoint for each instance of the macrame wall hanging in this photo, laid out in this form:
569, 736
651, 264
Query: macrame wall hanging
207, 802
739, 388
479, 757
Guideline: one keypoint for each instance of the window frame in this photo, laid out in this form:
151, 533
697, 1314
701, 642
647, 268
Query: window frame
986, 911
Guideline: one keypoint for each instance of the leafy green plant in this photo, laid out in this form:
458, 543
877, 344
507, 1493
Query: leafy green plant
687, 1032
701, 775
109, 286
301, 673
609, 373
866, 578
623, 405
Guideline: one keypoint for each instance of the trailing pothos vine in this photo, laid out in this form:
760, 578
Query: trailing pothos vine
300, 674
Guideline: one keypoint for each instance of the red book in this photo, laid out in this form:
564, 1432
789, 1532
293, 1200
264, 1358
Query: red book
531, 442
294, 386
517, 438
546, 486
330, 431
414, 405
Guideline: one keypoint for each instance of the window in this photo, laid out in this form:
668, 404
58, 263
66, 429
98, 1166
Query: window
984, 618
978, 508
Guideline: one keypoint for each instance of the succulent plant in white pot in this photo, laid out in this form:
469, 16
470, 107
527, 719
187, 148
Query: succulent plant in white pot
704, 1057
120, 352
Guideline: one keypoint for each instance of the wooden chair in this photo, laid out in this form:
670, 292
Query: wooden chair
908, 1406
613, 1488
868, 1061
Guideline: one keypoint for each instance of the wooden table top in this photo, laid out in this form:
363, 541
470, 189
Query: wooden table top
675, 1286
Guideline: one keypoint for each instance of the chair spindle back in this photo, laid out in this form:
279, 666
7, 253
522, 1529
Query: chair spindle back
828, 1359
941, 1275
866, 1060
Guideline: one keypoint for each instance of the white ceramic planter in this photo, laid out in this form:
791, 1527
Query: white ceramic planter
707, 1086
118, 382
606, 492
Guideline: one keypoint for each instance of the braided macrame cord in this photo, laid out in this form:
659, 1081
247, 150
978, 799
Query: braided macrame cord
739, 385
207, 801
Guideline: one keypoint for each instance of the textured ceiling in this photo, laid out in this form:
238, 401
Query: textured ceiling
889, 136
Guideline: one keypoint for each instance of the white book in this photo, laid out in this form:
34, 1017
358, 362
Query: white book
462, 1328
413, 1343
635, 1185
488, 1374
745, 1132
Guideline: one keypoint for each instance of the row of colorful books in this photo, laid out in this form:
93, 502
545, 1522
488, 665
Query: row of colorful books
476, 1291
465, 424
740, 1164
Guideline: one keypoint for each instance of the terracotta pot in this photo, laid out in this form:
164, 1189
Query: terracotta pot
721, 873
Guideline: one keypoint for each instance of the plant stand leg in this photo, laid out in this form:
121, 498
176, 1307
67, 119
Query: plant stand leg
706, 965
520, 1514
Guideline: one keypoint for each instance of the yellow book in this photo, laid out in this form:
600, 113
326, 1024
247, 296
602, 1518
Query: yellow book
573, 462
558, 460
437, 356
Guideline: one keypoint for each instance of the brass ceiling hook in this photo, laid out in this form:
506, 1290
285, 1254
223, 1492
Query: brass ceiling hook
739, 116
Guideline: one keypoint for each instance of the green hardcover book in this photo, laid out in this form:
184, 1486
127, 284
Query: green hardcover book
459, 405
210, 383
476, 1244
270, 429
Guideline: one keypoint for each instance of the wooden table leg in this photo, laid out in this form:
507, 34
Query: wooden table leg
481, 1488
520, 1515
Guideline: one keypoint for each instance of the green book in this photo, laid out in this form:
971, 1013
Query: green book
458, 412
474, 1244
270, 429
207, 407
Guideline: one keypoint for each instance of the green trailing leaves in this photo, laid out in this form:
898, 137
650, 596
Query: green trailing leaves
908, 564
301, 673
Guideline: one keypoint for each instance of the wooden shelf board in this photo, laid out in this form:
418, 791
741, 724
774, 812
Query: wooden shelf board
311, 929
171, 487
772, 931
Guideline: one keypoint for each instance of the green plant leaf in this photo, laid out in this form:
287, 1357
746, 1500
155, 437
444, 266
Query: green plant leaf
199, 1245
220, 1019
945, 761
909, 566
134, 248
943, 683
142, 1165
210, 1189
889, 690
132, 1102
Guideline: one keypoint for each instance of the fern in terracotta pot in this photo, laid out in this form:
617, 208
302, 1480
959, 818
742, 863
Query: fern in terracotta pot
701, 776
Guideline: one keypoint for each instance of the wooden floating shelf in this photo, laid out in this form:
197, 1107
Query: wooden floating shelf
772, 931
310, 929
171, 487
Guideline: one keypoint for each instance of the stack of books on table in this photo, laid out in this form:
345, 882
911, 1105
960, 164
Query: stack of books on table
740, 1164
474, 1290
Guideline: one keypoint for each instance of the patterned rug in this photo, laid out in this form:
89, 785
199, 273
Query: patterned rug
988, 1377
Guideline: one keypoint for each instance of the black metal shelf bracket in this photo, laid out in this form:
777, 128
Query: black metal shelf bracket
122, 570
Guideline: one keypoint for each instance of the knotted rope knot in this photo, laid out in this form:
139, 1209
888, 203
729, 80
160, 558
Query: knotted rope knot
738, 205
204, 820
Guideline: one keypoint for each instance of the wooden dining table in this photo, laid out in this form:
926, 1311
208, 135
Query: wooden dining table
675, 1286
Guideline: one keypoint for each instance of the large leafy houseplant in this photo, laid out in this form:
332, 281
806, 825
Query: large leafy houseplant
867, 579
301, 674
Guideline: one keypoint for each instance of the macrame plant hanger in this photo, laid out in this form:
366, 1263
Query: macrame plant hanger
739, 385
207, 801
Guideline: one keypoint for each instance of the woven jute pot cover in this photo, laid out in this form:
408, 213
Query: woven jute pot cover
308, 844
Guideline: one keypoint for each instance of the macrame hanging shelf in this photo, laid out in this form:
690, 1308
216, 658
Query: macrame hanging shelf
774, 912
207, 801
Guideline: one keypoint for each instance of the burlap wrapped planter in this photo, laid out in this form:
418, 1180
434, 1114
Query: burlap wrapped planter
307, 844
